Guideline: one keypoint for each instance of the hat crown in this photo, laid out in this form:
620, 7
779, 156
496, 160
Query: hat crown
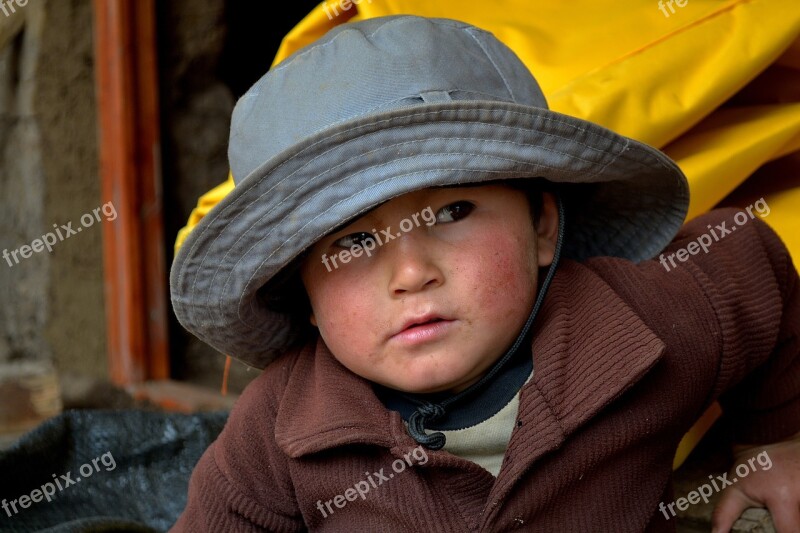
370, 66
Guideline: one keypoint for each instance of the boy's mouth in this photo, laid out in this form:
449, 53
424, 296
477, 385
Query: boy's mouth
420, 323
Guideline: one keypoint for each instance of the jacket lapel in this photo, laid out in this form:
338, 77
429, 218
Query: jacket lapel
325, 405
589, 347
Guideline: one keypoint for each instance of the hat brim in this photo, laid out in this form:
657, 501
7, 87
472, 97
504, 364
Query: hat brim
292, 200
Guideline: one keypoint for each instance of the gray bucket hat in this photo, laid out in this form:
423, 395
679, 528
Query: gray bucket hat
379, 108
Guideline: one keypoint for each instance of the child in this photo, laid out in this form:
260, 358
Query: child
453, 293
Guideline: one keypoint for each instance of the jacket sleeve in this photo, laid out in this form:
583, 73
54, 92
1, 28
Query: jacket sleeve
752, 284
242, 483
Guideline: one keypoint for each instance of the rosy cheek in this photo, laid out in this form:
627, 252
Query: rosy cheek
344, 315
502, 280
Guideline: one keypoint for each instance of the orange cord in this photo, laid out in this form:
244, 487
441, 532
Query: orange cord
225, 374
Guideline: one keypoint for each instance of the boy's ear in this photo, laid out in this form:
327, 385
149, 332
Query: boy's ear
547, 230
312, 319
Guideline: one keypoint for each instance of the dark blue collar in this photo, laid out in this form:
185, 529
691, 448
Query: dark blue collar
472, 409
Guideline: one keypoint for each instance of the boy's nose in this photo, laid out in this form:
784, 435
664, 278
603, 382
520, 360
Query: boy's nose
413, 267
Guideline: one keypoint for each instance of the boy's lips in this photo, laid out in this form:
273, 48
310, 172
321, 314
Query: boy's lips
427, 327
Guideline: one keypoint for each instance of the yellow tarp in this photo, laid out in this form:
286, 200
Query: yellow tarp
716, 85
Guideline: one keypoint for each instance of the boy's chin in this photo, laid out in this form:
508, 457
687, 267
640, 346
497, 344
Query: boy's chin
432, 386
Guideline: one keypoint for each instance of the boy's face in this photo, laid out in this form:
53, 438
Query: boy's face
469, 279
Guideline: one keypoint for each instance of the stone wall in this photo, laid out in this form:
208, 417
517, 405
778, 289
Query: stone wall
53, 301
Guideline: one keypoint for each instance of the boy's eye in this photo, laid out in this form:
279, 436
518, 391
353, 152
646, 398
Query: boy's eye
455, 211
354, 239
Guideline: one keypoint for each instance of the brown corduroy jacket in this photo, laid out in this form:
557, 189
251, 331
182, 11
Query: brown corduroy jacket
626, 357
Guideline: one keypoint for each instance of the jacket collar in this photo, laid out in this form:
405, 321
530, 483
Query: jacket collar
589, 346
